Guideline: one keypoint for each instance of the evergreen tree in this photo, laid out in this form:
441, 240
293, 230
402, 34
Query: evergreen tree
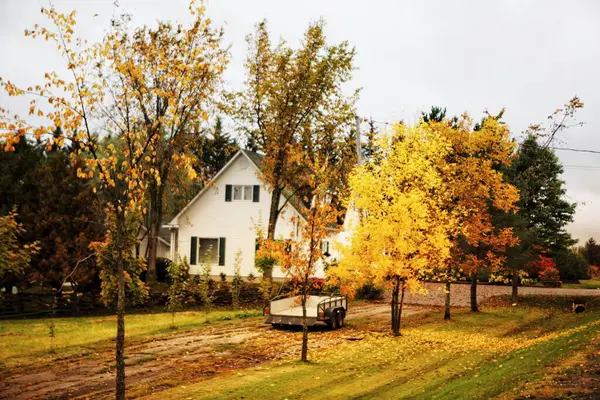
437, 114
591, 252
535, 171
214, 151
56, 209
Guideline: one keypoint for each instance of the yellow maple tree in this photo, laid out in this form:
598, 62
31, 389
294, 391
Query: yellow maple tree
403, 230
476, 189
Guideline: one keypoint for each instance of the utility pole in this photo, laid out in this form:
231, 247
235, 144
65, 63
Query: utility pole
358, 144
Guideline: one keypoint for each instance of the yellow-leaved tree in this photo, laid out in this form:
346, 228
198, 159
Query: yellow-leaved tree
402, 229
476, 189
117, 101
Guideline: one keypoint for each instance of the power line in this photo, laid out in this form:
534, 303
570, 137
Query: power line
553, 148
576, 150
581, 168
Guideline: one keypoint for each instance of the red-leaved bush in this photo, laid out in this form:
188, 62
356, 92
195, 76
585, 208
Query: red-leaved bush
594, 271
550, 275
541, 264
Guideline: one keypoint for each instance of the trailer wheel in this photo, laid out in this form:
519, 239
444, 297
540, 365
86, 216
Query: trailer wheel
338, 320
333, 322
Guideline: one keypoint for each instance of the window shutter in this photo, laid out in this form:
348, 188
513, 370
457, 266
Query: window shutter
256, 194
193, 250
222, 251
227, 192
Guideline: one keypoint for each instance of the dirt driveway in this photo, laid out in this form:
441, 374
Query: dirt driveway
174, 359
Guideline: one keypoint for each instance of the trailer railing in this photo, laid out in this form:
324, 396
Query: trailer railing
331, 302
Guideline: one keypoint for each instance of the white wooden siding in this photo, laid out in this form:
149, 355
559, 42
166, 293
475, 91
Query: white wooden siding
210, 216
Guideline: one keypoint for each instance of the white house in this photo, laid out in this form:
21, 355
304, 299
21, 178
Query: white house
164, 246
223, 217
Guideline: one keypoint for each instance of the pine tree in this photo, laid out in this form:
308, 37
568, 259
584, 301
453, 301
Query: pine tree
536, 171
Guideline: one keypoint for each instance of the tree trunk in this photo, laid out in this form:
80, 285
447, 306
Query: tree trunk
273, 212
474, 307
400, 308
447, 303
395, 308
120, 345
155, 212
304, 356
515, 286
273, 216
152, 249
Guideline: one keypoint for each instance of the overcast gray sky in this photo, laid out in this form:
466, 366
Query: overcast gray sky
528, 56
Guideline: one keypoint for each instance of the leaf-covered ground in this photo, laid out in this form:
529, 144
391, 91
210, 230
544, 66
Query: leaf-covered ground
504, 352
536, 350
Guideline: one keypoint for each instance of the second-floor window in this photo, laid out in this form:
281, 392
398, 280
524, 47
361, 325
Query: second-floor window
242, 192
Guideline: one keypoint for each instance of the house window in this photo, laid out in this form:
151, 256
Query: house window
208, 250
211, 250
325, 248
248, 193
242, 192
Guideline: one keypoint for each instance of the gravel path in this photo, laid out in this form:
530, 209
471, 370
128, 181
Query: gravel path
460, 293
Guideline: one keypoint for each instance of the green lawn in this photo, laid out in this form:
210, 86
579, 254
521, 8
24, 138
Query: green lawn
473, 356
28, 341
584, 284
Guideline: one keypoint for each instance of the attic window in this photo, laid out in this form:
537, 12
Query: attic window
242, 193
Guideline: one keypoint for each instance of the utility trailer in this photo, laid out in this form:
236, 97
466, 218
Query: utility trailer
330, 309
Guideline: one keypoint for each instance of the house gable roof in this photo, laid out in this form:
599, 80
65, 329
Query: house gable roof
256, 160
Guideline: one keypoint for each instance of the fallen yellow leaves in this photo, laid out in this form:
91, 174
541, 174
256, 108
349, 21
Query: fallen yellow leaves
382, 348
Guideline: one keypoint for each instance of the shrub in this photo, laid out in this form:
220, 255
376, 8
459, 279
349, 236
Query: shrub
205, 286
594, 271
237, 283
550, 274
178, 273
369, 292
223, 277
540, 264
571, 266
162, 266
251, 277
505, 278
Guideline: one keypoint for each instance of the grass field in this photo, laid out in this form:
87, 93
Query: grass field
501, 351
584, 284
536, 349
28, 341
